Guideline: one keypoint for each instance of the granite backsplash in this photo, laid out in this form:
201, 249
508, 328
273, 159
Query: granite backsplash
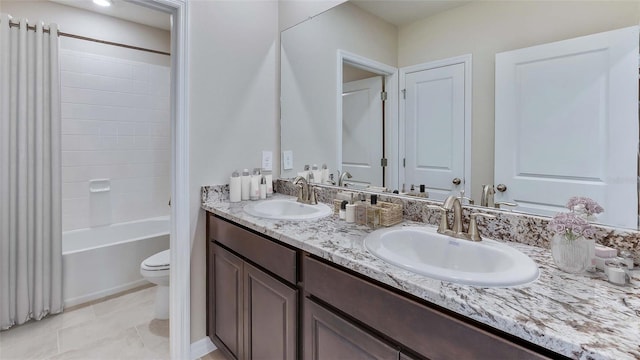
507, 226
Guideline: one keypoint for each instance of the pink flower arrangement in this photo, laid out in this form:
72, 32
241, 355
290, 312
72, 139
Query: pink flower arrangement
586, 205
571, 225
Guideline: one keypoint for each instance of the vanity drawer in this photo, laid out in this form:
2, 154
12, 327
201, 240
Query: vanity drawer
273, 257
427, 331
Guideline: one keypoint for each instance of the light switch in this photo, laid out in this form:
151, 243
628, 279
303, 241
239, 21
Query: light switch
267, 160
287, 160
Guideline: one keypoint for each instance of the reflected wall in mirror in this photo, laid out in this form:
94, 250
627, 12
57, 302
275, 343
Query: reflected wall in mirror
482, 29
311, 71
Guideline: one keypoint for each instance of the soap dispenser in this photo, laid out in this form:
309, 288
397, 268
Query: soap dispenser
246, 184
255, 185
235, 187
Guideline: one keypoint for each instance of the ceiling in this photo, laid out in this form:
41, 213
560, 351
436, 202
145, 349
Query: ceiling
402, 12
125, 10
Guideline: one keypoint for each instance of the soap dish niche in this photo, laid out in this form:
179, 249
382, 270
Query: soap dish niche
99, 185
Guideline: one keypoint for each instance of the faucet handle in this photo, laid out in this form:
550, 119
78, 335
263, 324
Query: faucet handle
505, 203
470, 200
444, 223
313, 198
474, 234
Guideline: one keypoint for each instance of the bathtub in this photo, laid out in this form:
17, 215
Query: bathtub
101, 261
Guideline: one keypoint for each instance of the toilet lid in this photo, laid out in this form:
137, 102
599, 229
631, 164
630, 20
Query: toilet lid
158, 260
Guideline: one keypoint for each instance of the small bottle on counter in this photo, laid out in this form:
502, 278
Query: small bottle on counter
246, 184
268, 178
343, 210
373, 213
235, 187
361, 210
423, 192
263, 188
351, 211
255, 185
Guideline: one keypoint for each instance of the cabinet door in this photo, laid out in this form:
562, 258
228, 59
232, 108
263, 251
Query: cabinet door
270, 317
227, 300
328, 336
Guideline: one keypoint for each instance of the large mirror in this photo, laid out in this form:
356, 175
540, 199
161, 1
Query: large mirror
331, 63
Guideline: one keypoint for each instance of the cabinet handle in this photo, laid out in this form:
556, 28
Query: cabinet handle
456, 181
501, 187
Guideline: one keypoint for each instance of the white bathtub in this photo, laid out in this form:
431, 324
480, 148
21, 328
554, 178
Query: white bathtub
101, 261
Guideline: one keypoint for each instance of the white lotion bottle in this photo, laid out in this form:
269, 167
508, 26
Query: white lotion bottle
268, 178
246, 184
263, 188
235, 187
255, 185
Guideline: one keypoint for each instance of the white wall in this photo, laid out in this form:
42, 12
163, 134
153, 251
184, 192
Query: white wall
115, 124
233, 105
309, 84
487, 27
292, 12
86, 23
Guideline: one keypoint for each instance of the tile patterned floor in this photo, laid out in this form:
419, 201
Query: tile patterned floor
122, 327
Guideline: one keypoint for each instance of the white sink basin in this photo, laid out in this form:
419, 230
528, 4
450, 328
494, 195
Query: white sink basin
422, 250
287, 209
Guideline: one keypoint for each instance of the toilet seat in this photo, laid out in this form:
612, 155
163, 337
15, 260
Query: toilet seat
157, 262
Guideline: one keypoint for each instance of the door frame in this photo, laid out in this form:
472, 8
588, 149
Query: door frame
466, 60
180, 238
391, 128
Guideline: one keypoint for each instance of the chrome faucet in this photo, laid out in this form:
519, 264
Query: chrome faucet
341, 178
452, 203
487, 195
306, 191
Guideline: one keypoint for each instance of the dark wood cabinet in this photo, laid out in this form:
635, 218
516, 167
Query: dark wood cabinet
270, 326
256, 284
252, 314
328, 336
227, 300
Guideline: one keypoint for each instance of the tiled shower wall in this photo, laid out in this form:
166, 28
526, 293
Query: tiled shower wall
115, 125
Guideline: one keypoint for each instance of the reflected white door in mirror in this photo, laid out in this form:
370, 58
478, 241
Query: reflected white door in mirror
436, 112
567, 125
362, 130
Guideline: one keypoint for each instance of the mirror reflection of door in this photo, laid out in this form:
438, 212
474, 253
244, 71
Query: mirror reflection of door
435, 129
362, 126
567, 125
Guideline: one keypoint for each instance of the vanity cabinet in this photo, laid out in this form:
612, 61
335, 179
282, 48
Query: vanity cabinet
252, 311
412, 325
266, 299
329, 336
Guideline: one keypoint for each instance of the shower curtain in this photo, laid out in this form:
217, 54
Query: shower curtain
30, 167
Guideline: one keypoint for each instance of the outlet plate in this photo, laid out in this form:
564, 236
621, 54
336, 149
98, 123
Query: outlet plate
267, 160
287, 160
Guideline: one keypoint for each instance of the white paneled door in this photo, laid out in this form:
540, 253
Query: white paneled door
435, 129
567, 124
362, 130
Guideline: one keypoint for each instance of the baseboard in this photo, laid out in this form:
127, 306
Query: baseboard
103, 293
201, 348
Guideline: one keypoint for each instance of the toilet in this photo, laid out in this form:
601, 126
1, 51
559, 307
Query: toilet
155, 269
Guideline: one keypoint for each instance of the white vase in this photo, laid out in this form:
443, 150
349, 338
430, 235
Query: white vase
572, 256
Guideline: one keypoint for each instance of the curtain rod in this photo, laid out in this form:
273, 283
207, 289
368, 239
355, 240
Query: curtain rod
73, 36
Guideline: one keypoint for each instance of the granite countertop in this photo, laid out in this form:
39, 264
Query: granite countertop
579, 316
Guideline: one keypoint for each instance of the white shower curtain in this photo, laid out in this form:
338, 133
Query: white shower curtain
30, 167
